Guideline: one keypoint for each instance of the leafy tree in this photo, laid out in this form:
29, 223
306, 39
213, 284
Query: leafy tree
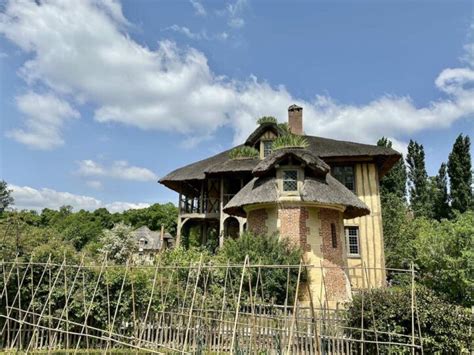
460, 174
444, 256
265, 250
395, 180
118, 244
395, 218
440, 196
443, 325
6, 198
418, 180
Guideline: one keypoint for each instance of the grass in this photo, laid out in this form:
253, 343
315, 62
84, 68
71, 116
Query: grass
290, 141
243, 152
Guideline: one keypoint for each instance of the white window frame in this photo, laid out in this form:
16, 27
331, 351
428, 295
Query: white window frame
346, 232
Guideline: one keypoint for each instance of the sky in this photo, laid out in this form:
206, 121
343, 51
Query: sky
101, 98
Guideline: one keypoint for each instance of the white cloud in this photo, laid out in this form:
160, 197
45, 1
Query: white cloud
234, 12
174, 89
36, 199
119, 169
202, 35
44, 117
198, 8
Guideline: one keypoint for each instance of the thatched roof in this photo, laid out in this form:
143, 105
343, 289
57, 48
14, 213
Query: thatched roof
327, 149
261, 129
304, 156
148, 239
325, 190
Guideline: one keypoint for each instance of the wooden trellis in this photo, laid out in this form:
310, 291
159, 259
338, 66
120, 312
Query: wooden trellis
51, 306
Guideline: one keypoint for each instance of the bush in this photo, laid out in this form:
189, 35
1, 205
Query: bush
268, 250
290, 141
243, 152
267, 119
444, 326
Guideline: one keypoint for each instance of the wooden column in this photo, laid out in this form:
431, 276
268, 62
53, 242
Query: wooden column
221, 214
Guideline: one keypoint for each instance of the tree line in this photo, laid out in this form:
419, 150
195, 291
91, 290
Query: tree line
25, 232
429, 220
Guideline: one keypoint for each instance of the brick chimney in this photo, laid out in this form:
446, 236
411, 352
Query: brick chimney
295, 119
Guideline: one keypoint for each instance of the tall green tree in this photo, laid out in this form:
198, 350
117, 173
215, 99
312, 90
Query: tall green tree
418, 180
460, 174
6, 198
395, 180
440, 195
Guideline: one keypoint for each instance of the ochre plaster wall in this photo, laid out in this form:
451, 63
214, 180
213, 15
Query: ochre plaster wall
370, 231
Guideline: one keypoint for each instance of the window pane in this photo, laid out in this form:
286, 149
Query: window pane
267, 148
352, 240
290, 181
345, 174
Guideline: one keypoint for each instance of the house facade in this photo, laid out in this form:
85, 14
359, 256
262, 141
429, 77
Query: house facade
333, 213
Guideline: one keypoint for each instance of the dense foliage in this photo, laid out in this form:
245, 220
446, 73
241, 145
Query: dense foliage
444, 326
23, 231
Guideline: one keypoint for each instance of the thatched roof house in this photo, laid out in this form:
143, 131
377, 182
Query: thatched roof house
325, 197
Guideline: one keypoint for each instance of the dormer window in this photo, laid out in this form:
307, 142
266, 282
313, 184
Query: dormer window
267, 148
290, 180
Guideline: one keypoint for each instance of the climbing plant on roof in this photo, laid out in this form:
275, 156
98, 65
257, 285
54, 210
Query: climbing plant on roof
267, 119
243, 152
290, 141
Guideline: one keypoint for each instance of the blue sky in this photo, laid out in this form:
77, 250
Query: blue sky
100, 98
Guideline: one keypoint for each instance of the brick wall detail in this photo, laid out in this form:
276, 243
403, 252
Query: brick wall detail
293, 225
336, 280
256, 221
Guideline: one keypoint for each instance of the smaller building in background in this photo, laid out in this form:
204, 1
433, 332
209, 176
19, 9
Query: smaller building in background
149, 243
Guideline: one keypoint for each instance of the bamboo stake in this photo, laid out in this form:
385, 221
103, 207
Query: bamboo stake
238, 304
412, 308
118, 305
31, 302
86, 315
372, 308
46, 304
149, 303
65, 310
219, 331
5, 280
293, 320
185, 344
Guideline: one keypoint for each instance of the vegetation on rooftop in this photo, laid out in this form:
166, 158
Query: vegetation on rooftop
267, 119
243, 152
290, 141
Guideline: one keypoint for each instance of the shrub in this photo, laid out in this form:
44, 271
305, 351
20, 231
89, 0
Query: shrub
268, 250
267, 119
290, 141
243, 152
443, 326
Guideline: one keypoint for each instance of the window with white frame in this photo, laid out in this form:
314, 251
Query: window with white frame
345, 175
267, 148
290, 180
352, 241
